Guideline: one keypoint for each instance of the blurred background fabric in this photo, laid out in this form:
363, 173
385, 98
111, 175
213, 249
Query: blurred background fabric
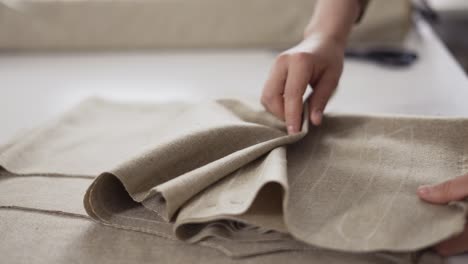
128, 24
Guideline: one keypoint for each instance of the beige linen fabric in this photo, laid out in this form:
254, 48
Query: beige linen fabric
44, 214
123, 24
30, 237
226, 175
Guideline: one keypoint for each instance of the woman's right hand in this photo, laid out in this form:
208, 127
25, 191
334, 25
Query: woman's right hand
318, 61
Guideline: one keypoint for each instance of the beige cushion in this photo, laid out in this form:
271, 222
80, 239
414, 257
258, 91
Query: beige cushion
120, 24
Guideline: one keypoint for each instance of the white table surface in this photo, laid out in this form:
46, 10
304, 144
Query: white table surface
37, 87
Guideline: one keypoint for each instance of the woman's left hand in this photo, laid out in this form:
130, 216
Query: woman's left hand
451, 190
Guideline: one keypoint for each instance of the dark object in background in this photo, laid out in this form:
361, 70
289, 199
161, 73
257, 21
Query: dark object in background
424, 9
386, 56
450, 25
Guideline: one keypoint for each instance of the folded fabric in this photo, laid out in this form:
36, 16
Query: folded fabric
226, 175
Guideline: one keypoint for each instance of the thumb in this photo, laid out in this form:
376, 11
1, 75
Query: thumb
451, 190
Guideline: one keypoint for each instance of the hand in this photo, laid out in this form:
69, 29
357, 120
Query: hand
451, 190
318, 61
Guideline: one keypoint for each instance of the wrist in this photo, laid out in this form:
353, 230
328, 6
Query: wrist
337, 40
333, 20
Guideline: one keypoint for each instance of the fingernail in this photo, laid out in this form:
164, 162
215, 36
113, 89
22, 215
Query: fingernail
317, 117
424, 189
291, 129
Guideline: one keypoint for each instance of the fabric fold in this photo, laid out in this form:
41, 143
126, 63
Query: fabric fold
159, 178
226, 174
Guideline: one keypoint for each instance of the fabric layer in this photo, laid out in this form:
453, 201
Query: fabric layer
226, 174
60, 239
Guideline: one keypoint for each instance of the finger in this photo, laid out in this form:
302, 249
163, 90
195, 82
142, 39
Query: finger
272, 95
297, 80
323, 90
453, 246
451, 190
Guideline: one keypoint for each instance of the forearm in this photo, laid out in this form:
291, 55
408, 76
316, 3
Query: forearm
334, 19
